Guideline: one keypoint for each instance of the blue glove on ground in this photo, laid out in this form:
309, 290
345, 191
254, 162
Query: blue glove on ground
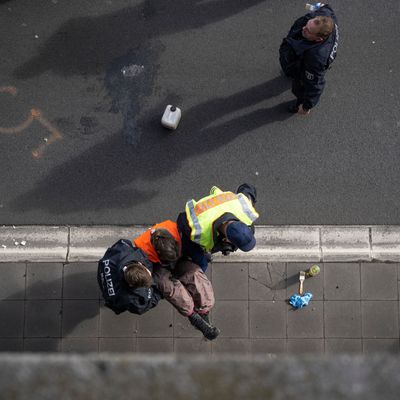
298, 301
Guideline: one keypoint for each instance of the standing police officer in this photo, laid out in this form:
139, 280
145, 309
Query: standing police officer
306, 53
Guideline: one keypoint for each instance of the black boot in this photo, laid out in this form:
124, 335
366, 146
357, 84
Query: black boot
205, 317
293, 107
210, 332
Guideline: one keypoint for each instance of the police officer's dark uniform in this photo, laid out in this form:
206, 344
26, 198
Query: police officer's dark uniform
307, 61
118, 295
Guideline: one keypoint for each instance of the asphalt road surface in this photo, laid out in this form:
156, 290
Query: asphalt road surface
81, 142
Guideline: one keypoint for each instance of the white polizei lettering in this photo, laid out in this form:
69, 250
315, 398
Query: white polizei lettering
335, 46
108, 279
111, 291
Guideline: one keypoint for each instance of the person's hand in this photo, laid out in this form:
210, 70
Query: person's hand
302, 111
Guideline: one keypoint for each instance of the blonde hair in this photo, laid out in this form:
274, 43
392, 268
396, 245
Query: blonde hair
325, 26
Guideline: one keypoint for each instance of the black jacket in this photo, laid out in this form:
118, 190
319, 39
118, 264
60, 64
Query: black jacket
307, 61
117, 294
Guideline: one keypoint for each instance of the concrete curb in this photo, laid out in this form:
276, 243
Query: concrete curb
311, 243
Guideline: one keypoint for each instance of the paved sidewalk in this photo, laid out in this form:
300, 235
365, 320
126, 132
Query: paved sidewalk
57, 307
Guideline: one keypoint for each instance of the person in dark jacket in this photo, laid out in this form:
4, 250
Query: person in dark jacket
125, 279
306, 53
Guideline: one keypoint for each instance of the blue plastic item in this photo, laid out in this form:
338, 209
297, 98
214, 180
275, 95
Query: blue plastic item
313, 7
298, 301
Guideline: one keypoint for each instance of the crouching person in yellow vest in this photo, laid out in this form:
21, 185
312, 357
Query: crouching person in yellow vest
222, 221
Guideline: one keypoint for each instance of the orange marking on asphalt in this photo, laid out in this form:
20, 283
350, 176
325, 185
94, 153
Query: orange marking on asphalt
19, 128
39, 117
55, 134
9, 89
35, 114
38, 152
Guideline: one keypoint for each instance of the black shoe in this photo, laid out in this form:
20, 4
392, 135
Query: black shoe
210, 332
293, 108
205, 317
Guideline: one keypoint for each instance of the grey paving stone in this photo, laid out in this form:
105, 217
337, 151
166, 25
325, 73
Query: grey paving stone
380, 319
183, 328
80, 345
40, 345
158, 322
302, 346
379, 281
80, 318
155, 345
342, 319
43, 318
268, 319
380, 345
335, 346
267, 281
231, 317
267, 346
113, 325
342, 281
230, 281
12, 318
315, 285
44, 280
230, 345
11, 345
192, 345
117, 345
307, 322
80, 281
12, 282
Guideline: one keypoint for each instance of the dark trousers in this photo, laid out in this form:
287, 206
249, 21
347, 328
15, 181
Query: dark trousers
298, 91
189, 248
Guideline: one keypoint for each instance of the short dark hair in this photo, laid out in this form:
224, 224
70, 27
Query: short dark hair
166, 246
136, 276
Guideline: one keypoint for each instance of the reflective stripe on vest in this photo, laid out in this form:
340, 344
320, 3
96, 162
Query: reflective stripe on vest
247, 210
202, 214
195, 236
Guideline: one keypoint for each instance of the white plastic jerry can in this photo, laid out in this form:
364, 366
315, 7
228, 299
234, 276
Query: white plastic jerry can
171, 117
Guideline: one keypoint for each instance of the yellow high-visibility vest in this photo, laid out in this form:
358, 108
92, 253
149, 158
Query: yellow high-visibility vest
202, 214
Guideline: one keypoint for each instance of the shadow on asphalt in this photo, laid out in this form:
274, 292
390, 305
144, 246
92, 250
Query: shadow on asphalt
99, 177
103, 176
89, 45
